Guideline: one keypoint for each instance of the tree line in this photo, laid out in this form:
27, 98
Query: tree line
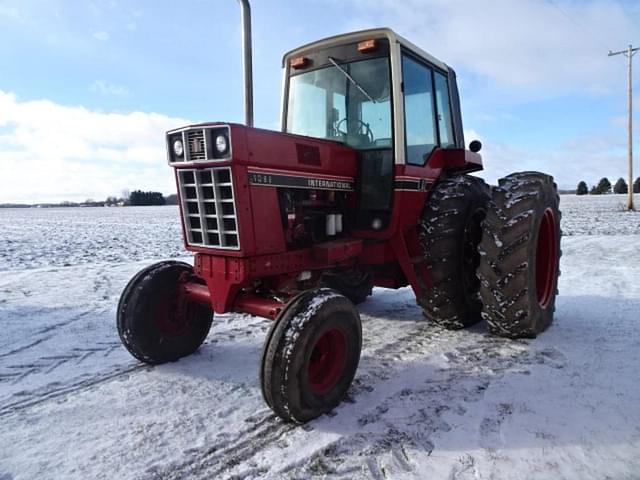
127, 198
604, 186
135, 198
141, 198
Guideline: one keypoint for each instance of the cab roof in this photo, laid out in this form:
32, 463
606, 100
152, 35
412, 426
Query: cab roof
359, 36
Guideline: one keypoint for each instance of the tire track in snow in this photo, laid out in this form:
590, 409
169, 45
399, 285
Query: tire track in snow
472, 364
48, 363
38, 397
369, 455
228, 455
25, 347
380, 361
229, 452
103, 284
46, 330
15, 373
227, 458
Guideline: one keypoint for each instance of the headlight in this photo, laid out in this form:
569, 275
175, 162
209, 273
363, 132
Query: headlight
221, 143
178, 148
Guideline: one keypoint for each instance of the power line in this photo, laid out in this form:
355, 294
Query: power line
584, 30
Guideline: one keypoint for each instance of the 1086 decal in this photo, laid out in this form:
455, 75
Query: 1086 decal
294, 181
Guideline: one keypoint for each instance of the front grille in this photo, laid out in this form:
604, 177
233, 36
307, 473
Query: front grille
198, 144
208, 206
195, 146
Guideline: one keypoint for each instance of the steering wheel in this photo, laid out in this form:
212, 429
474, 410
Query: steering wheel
362, 128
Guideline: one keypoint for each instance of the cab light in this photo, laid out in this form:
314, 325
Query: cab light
368, 46
299, 62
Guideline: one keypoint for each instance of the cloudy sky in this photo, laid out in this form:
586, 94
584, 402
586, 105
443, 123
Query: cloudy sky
87, 88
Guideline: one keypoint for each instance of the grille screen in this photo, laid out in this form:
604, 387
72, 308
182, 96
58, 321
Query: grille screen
208, 207
196, 146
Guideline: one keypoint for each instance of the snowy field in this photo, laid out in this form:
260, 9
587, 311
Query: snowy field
426, 403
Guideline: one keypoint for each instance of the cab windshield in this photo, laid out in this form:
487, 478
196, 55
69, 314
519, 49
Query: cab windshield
346, 102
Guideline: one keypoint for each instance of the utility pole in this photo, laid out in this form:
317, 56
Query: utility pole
629, 53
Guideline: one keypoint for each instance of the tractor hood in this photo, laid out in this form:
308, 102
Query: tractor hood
217, 144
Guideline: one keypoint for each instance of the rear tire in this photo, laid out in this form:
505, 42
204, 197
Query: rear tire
154, 323
450, 231
311, 355
520, 251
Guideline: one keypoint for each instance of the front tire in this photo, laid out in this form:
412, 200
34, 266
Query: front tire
155, 323
449, 232
311, 355
520, 251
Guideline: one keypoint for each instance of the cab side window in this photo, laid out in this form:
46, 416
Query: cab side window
445, 123
419, 111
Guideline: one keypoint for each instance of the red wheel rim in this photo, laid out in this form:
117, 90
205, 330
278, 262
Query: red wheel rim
546, 258
171, 314
327, 362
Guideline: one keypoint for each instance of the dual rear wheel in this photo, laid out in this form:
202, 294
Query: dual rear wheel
450, 231
492, 253
520, 251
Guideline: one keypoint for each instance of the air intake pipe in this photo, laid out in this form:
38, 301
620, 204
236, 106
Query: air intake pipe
247, 62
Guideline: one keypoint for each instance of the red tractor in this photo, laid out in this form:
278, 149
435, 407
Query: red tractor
366, 185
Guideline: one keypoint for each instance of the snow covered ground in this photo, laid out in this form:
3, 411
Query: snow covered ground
426, 403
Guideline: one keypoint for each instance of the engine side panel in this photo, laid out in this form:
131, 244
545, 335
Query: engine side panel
282, 151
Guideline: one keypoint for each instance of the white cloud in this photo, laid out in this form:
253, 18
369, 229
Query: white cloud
102, 36
105, 88
549, 46
53, 152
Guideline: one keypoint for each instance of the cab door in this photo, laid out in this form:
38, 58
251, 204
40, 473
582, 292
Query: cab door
427, 110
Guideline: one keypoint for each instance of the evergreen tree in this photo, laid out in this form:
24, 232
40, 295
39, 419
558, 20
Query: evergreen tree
620, 186
604, 186
582, 189
594, 191
636, 185
139, 197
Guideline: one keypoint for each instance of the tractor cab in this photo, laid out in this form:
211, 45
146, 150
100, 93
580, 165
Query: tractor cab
372, 90
383, 96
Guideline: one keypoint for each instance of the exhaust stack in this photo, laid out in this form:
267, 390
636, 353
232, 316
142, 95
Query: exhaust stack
247, 62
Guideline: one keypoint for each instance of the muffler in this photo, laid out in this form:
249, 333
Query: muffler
247, 62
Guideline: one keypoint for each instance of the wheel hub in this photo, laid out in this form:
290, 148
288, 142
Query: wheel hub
546, 258
327, 361
172, 314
